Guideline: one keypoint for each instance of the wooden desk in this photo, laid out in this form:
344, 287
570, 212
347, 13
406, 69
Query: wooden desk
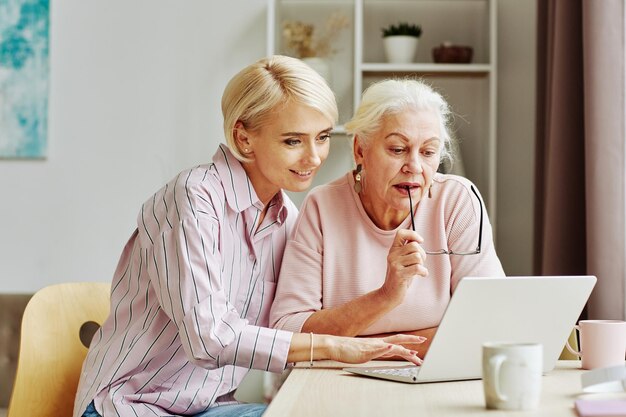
330, 391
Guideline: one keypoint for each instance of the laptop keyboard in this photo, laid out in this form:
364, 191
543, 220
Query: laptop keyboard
408, 372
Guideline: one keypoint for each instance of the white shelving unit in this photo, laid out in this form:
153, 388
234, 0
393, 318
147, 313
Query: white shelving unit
469, 88
317, 12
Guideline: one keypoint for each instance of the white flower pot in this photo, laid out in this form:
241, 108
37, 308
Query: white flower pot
322, 66
400, 49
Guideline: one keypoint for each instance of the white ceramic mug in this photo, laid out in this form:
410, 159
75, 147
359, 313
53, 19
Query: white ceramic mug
512, 375
602, 343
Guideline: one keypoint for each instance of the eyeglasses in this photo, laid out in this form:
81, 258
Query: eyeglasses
451, 252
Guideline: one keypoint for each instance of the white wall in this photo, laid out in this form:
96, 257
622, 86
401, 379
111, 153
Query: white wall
135, 97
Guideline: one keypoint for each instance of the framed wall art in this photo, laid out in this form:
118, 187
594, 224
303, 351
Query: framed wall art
24, 78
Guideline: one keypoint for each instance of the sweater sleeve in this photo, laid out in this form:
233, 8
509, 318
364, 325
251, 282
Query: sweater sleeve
464, 233
299, 289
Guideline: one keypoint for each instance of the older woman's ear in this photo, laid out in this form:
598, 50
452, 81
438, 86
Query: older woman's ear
357, 148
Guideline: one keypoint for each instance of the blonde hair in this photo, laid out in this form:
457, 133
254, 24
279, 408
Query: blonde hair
393, 96
253, 94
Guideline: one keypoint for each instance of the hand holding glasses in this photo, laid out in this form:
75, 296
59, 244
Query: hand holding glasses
450, 252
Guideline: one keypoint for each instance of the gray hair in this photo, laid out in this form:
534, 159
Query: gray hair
392, 96
255, 92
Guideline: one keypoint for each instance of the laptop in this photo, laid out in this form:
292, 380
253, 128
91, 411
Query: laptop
507, 309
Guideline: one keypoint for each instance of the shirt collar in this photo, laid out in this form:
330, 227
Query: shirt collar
239, 191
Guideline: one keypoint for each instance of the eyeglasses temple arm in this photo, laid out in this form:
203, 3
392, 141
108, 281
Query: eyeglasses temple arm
480, 230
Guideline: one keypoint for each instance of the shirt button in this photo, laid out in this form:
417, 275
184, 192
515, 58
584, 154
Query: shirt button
251, 257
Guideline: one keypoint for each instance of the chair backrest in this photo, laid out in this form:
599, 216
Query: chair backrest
573, 342
57, 327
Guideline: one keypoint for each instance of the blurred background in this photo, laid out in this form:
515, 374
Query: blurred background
134, 97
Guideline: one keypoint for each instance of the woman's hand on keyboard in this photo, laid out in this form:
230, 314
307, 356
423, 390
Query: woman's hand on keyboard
359, 350
422, 347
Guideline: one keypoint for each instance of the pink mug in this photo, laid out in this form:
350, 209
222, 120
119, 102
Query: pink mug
602, 343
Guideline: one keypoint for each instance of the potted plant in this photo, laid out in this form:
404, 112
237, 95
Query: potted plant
312, 46
400, 42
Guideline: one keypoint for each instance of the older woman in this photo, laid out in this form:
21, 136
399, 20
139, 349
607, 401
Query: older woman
191, 294
359, 261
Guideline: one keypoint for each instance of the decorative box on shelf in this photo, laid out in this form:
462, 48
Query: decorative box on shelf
447, 53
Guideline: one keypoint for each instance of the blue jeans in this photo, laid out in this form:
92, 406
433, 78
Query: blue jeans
235, 410
91, 411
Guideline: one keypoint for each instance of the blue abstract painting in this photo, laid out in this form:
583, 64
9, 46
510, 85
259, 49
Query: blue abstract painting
24, 77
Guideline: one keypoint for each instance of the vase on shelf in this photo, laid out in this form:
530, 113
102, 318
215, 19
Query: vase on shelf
321, 66
400, 49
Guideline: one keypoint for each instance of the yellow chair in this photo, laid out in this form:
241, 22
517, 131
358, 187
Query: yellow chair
58, 325
573, 342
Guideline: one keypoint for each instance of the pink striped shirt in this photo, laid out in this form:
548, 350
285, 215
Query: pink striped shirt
190, 295
336, 253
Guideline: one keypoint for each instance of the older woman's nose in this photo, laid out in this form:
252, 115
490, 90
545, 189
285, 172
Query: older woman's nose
413, 164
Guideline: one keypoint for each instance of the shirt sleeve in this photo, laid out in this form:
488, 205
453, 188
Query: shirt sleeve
464, 232
183, 262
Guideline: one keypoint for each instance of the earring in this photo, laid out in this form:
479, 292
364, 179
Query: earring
357, 178
430, 191
246, 150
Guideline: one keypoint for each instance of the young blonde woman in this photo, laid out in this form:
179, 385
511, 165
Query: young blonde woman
191, 295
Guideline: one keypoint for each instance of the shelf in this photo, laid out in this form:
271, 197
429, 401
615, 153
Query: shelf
470, 89
339, 129
319, 2
427, 68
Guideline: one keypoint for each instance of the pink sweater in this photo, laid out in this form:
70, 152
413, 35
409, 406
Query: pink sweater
336, 253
